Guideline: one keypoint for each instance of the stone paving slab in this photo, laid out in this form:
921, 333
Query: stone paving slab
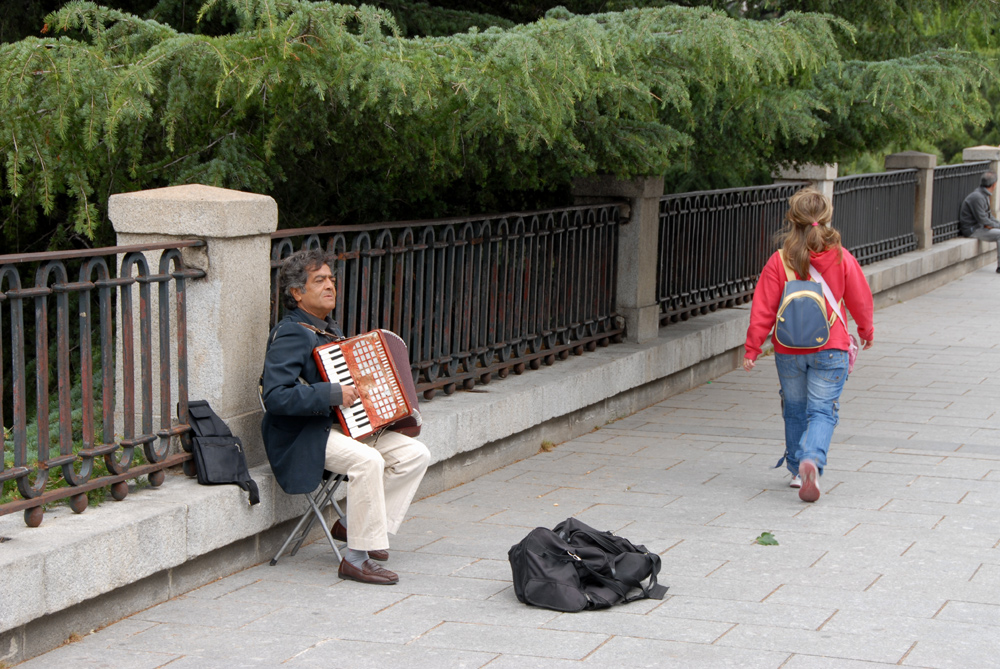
898, 564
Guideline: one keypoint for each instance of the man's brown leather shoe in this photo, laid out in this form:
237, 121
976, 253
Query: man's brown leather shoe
368, 573
339, 533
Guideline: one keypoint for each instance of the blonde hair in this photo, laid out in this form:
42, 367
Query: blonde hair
807, 228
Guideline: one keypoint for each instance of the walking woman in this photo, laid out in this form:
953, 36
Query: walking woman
811, 378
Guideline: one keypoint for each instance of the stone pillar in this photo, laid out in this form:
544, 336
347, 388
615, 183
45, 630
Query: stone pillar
974, 154
821, 177
637, 247
924, 163
228, 311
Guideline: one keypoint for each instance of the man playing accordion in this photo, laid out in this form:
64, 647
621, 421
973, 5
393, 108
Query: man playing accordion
302, 436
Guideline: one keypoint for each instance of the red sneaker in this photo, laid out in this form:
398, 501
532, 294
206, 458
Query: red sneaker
809, 492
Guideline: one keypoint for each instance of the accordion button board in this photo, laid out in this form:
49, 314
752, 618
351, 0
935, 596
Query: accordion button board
364, 362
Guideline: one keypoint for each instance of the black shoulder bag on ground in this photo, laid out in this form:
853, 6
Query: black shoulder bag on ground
218, 455
574, 567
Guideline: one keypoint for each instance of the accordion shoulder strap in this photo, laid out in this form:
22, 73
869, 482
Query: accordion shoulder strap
324, 333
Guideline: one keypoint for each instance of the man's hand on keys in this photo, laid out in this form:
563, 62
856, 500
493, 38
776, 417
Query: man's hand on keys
350, 394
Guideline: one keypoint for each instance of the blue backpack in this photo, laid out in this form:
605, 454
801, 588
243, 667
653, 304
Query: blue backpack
802, 321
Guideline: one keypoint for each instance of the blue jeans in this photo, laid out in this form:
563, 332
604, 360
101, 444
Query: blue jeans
811, 384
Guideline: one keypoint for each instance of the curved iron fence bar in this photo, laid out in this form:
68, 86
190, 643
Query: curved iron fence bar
138, 260
179, 276
79, 446
18, 382
77, 254
535, 324
382, 277
712, 244
952, 183
466, 317
42, 292
360, 227
337, 246
280, 250
108, 447
874, 214
475, 297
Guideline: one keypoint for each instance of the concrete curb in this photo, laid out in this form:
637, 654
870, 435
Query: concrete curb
77, 573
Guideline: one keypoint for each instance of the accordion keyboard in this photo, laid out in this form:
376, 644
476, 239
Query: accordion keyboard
355, 417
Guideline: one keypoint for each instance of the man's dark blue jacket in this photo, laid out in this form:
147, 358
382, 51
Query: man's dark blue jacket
298, 403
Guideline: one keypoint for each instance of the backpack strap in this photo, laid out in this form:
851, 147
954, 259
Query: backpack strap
652, 590
789, 274
250, 486
834, 304
611, 583
205, 422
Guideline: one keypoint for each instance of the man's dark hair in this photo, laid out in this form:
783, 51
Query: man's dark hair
989, 178
295, 271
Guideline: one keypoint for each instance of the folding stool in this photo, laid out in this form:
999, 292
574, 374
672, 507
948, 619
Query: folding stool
317, 502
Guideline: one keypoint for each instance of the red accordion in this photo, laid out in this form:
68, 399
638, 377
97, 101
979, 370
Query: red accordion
377, 364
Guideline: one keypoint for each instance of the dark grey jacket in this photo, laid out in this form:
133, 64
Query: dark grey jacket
975, 213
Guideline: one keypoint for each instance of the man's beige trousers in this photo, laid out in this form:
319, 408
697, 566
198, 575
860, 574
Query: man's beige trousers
383, 476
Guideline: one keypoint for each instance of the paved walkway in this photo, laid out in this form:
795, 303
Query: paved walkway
898, 563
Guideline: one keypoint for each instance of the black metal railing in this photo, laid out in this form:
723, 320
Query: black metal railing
874, 214
712, 245
952, 183
83, 398
474, 297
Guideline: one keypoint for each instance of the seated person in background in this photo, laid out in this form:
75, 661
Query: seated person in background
975, 219
302, 436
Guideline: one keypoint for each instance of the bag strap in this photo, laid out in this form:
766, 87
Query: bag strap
208, 424
250, 486
597, 538
789, 274
307, 326
817, 277
653, 590
323, 333
611, 583
656, 591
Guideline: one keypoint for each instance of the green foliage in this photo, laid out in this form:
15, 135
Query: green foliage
332, 111
766, 539
889, 32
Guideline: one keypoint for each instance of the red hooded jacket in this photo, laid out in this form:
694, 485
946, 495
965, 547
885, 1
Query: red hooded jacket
846, 281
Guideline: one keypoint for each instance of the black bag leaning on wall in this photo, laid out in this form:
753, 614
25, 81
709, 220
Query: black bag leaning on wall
218, 455
574, 567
